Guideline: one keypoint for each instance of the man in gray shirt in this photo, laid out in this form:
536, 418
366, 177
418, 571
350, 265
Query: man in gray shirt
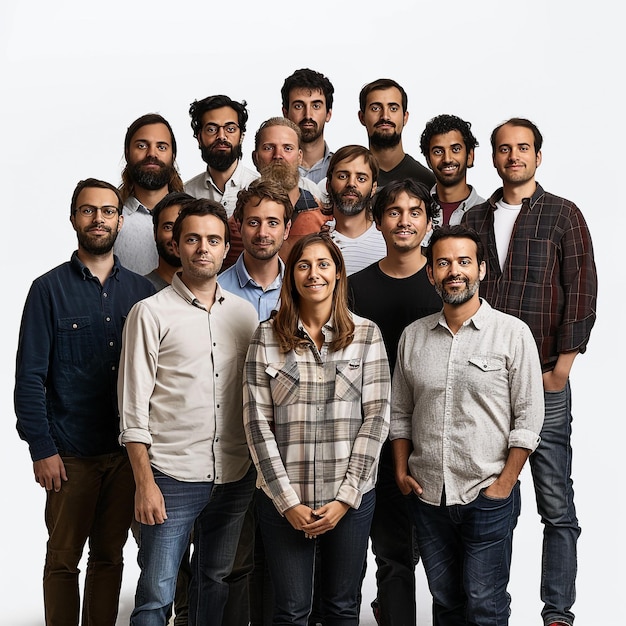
467, 407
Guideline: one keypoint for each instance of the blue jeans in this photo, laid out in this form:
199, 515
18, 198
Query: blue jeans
216, 536
291, 560
466, 553
551, 467
162, 547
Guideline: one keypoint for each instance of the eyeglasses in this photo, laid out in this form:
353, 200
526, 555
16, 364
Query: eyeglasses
108, 212
213, 129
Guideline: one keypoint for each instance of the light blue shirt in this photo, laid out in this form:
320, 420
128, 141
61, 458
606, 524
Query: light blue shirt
237, 280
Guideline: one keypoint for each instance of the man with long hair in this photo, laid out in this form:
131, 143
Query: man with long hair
149, 175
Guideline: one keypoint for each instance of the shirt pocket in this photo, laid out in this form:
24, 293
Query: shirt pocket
538, 261
348, 380
284, 382
75, 340
487, 363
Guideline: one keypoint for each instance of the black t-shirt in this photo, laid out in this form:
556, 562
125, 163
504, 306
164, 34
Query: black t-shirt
391, 303
407, 168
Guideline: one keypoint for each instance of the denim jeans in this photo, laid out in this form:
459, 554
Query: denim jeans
395, 549
291, 559
466, 553
216, 537
551, 467
215, 513
95, 505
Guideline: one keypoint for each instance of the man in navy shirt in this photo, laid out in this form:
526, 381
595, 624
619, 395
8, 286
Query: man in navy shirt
66, 407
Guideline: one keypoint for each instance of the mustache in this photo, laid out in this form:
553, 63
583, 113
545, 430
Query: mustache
384, 123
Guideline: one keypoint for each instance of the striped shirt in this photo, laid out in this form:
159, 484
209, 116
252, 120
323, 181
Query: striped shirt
316, 421
549, 276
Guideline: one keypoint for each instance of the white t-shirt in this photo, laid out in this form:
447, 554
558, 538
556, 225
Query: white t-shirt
361, 251
503, 223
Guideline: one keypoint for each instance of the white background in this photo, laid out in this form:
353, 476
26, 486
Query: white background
74, 75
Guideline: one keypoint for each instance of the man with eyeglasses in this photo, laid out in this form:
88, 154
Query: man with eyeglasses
219, 126
65, 401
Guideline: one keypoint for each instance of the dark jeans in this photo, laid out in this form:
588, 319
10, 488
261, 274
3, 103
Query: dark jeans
291, 559
466, 552
394, 547
95, 504
551, 466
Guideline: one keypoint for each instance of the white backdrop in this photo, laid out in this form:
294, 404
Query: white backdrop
75, 74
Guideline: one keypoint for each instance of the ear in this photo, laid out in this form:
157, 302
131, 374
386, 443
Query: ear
429, 226
329, 114
361, 118
374, 187
254, 159
470, 158
405, 118
120, 223
539, 158
284, 112
226, 249
299, 157
287, 229
429, 272
482, 270
73, 220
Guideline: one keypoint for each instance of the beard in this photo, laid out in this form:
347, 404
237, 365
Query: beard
97, 245
169, 257
220, 160
348, 207
310, 134
450, 181
384, 141
283, 173
458, 297
150, 179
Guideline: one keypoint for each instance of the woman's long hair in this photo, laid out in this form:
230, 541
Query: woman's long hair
286, 319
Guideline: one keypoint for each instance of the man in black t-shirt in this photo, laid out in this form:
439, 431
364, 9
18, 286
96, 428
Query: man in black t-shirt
394, 292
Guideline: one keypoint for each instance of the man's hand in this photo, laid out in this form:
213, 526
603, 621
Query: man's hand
325, 518
50, 472
406, 483
149, 505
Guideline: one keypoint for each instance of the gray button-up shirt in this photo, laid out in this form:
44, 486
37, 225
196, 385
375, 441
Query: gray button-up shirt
464, 399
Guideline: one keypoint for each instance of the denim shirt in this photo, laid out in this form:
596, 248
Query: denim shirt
67, 359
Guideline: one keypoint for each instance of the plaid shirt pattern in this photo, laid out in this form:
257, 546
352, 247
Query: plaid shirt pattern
549, 277
316, 421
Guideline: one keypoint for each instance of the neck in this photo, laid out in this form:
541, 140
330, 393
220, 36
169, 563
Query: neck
221, 178
203, 289
100, 265
456, 193
388, 158
457, 314
264, 272
515, 194
312, 152
313, 318
166, 271
402, 263
352, 225
148, 197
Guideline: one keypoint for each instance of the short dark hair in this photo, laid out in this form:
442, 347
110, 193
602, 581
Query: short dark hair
518, 121
200, 206
308, 79
199, 107
443, 124
263, 189
382, 84
176, 197
146, 120
388, 194
100, 184
458, 231
349, 153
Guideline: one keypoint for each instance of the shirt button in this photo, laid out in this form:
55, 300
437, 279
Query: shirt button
111, 343
107, 319
105, 295
74, 326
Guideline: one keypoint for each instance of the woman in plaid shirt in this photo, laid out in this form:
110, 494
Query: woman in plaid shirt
316, 413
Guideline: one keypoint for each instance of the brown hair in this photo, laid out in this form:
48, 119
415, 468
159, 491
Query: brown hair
286, 319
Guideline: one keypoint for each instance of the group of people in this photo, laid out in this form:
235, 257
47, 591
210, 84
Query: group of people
260, 373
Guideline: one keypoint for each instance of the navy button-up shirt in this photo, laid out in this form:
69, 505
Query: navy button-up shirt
67, 359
